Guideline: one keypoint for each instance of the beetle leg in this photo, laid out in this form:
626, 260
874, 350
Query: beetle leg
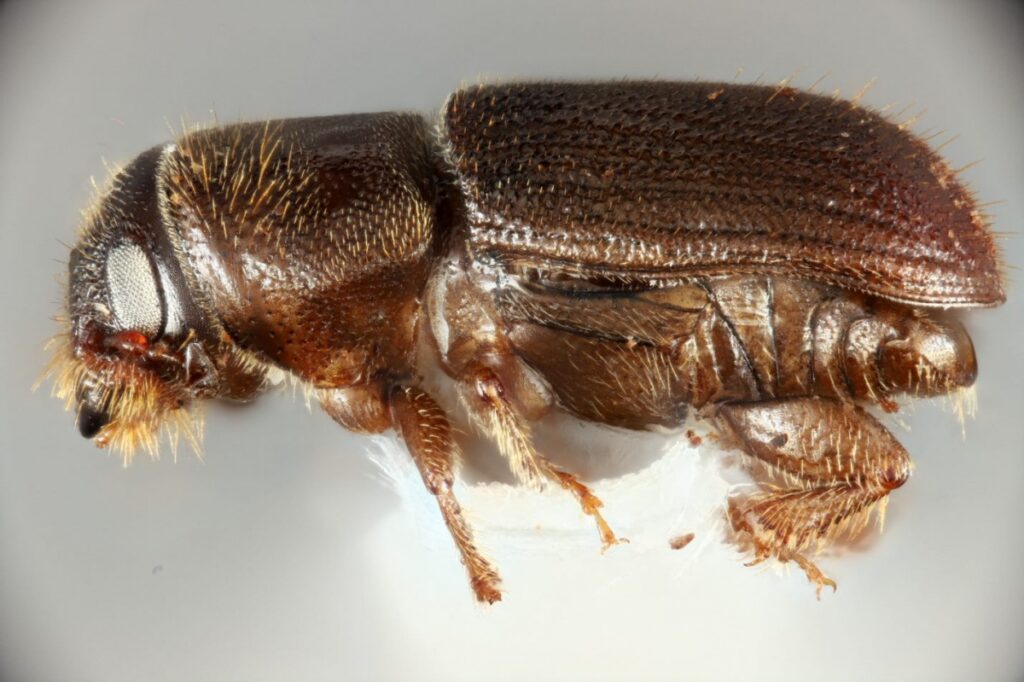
495, 386
425, 428
427, 433
423, 425
491, 406
362, 409
830, 466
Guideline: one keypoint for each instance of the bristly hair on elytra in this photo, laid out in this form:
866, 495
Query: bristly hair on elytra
142, 409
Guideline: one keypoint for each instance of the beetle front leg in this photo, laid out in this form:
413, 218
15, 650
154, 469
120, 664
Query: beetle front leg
427, 434
833, 465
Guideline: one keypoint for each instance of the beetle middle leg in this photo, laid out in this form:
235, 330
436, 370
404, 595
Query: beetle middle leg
492, 406
832, 466
500, 393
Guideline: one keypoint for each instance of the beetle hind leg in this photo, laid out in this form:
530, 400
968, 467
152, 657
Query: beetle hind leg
790, 524
830, 469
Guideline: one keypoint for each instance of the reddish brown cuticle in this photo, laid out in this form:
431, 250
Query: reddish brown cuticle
632, 253
131, 342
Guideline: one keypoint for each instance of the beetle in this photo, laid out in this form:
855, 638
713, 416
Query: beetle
774, 261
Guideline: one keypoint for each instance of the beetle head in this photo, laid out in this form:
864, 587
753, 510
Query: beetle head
139, 350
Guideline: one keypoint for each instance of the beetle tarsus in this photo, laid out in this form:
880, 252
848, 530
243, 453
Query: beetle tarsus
814, 574
591, 505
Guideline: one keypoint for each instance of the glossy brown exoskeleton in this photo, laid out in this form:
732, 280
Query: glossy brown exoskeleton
629, 252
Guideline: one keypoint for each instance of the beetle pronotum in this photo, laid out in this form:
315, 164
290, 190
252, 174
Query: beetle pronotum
630, 252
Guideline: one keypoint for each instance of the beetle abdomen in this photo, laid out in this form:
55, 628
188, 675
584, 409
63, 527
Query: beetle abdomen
659, 180
718, 340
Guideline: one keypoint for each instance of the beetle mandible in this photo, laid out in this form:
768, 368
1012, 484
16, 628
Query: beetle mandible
768, 259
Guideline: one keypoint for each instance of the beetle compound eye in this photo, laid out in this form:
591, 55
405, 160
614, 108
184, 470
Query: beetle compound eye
134, 296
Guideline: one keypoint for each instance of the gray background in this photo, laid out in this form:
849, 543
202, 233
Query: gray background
282, 556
